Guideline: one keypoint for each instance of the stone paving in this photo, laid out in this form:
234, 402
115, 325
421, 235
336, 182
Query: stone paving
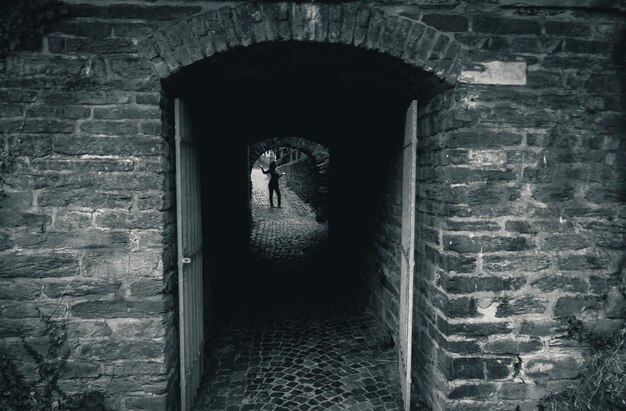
297, 354
283, 235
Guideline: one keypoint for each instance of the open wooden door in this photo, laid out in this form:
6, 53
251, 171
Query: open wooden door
189, 223
408, 260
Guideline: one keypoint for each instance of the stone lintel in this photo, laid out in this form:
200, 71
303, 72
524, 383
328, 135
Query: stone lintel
495, 72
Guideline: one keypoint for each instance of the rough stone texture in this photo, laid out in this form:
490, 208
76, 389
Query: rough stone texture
301, 179
526, 180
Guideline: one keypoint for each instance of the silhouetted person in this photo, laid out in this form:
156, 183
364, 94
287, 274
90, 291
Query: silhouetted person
273, 184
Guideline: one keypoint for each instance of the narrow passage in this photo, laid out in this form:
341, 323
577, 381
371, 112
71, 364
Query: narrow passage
295, 345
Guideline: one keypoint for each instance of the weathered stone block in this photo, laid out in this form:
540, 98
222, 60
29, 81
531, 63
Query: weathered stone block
145, 327
421, 49
456, 368
38, 126
582, 262
81, 198
37, 266
553, 192
109, 145
472, 391
134, 368
567, 28
512, 347
6, 243
453, 225
460, 308
472, 329
110, 127
80, 369
19, 290
11, 110
82, 165
60, 112
125, 113
112, 349
17, 95
499, 25
465, 244
521, 305
80, 287
520, 391
16, 200
467, 285
86, 238
553, 368
99, 46
517, 226
499, 263
446, 22
118, 309
153, 402
457, 175
23, 327
88, 329
132, 220
566, 306
93, 29
542, 327
459, 263
495, 73
465, 138
132, 29
565, 242
149, 262
498, 368
554, 282
146, 287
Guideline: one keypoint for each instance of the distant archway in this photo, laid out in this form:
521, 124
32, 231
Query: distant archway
318, 153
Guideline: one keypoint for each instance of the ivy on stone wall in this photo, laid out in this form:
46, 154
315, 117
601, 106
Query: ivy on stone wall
24, 22
44, 393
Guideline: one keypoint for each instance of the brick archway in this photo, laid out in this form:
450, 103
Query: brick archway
362, 26
411, 57
318, 153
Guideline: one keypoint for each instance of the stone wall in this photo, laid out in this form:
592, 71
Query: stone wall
88, 220
519, 208
382, 272
520, 199
301, 179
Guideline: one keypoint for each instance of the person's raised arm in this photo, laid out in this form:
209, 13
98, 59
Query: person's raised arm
264, 172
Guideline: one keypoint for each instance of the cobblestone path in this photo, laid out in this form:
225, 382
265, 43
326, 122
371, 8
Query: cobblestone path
282, 237
311, 359
285, 353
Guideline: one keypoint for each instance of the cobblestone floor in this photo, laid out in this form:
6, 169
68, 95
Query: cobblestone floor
295, 354
281, 236
311, 359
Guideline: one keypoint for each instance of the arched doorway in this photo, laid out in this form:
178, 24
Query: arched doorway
319, 157
326, 71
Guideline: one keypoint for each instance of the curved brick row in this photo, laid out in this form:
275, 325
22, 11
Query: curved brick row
171, 48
